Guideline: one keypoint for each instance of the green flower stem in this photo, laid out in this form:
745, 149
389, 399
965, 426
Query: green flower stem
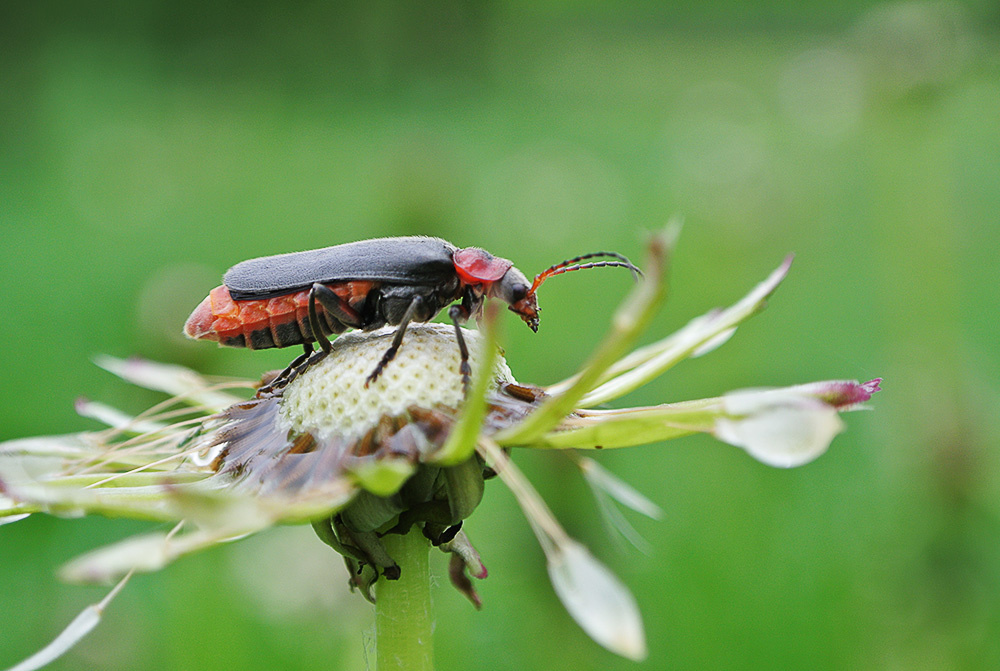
403, 620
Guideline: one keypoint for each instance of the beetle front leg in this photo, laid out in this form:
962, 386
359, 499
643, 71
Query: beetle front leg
397, 340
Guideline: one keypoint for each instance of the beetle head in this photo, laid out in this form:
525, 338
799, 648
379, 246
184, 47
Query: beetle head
513, 288
499, 279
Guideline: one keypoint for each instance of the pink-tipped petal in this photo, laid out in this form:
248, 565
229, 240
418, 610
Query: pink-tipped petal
842, 394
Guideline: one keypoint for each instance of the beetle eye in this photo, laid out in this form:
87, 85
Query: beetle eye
518, 292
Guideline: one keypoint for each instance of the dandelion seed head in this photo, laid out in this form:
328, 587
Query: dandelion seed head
330, 398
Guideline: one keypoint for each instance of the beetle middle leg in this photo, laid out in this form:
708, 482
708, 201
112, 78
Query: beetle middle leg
397, 340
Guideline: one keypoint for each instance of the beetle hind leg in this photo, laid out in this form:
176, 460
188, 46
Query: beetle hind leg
337, 309
308, 358
337, 313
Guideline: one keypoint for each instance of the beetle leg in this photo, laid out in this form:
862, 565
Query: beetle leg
300, 364
314, 324
291, 370
339, 315
336, 307
459, 315
397, 339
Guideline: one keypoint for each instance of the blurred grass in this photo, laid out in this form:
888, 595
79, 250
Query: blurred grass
145, 148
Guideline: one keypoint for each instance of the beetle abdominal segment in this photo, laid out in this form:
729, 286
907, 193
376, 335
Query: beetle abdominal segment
280, 321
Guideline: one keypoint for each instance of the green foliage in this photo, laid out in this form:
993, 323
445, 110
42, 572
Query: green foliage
146, 148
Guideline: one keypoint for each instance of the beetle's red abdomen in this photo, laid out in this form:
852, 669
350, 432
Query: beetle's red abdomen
259, 324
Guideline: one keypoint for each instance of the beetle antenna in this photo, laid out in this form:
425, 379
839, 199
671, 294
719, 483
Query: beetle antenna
584, 257
573, 264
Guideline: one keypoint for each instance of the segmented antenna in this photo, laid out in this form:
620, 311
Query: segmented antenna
568, 266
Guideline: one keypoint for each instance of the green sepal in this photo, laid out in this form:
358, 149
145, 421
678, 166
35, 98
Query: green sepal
368, 512
465, 487
383, 477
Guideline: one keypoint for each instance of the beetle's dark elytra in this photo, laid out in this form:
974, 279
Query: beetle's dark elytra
407, 260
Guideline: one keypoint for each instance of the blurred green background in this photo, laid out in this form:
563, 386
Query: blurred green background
147, 146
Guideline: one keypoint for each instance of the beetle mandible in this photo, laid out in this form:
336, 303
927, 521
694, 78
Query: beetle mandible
302, 297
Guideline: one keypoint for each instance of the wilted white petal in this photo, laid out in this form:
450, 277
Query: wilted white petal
622, 492
778, 427
64, 446
599, 603
170, 379
713, 344
597, 600
81, 625
28, 460
143, 554
701, 335
115, 418
617, 524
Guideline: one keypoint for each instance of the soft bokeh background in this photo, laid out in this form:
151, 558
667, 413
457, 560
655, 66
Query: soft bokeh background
147, 146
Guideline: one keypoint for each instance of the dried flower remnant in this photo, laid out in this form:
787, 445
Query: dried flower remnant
408, 452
